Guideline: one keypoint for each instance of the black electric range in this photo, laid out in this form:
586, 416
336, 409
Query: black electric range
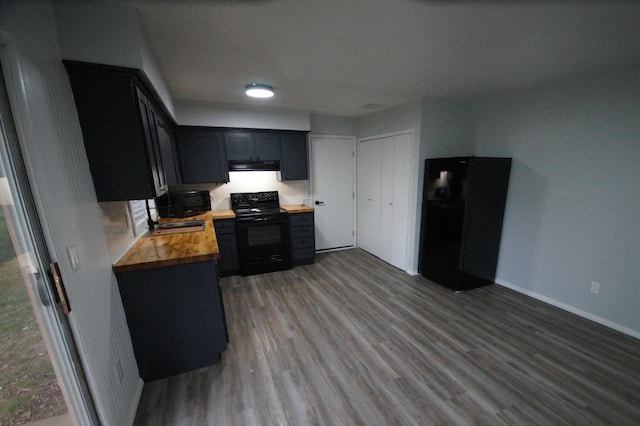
262, 232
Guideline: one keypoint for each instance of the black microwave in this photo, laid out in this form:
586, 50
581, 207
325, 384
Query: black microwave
183, 203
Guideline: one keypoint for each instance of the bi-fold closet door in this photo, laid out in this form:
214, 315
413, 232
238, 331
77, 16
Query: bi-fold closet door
383, 196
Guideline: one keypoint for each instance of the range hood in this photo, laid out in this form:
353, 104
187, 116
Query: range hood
253, 165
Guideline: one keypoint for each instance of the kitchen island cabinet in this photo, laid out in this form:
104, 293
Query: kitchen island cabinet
173, 302
175, 316
120, 117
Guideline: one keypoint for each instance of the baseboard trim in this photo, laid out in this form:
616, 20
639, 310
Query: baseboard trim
603, 321
136, 401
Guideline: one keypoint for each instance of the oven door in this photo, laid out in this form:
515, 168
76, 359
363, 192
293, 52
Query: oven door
263, 245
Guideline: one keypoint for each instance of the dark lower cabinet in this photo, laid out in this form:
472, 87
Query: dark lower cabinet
175, 316
302, 238
228, 245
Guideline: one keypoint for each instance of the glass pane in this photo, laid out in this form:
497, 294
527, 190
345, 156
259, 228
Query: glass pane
29, 390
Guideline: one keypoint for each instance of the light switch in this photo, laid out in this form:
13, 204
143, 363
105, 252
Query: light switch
74, 259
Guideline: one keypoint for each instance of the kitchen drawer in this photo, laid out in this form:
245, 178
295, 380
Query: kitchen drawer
301, 231
225, 226
299, 243
300, 219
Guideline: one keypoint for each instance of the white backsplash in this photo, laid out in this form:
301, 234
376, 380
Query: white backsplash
290, 192
116, 222
116, 219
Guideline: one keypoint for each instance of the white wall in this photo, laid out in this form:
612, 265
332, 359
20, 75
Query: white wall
290, 192
573, 207
214, 114
51, 142
401, 117
322, 124
446, 131
109, 34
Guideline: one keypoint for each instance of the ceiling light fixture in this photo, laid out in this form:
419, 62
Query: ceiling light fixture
259, 90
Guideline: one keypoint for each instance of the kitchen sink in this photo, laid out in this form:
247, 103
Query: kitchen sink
167, 228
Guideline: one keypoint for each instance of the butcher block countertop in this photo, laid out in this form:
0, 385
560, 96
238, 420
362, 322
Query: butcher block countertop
298, 208
221, 214
166, 250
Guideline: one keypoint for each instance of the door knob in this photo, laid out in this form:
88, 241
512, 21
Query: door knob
319, 203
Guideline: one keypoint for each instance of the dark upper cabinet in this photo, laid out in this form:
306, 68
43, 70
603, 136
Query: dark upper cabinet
118, 117
169, 152
202, 153
239, 145
267, 146
149, 121
293, 156
252, 145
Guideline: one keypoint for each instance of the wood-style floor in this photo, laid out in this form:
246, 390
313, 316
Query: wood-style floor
351, 340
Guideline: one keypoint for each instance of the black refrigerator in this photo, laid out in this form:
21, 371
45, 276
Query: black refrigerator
462, 210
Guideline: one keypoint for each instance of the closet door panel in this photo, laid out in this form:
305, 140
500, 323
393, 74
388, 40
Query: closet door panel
384, 167
401, 180
369, 180
387, 147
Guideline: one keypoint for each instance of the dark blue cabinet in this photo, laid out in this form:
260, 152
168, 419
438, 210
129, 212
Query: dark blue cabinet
175, 316
202, 152
302, 238
119, 115
294, 156
249, 145
228, 246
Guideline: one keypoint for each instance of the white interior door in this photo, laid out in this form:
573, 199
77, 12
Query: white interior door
332, 190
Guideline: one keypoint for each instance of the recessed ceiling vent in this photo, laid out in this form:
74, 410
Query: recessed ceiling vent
372, 106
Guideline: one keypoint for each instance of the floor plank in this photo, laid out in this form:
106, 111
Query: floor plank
351, 340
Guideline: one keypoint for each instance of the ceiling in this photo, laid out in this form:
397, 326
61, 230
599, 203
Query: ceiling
352, 57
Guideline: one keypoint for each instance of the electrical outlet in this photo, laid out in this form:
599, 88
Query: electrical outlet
595, 287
